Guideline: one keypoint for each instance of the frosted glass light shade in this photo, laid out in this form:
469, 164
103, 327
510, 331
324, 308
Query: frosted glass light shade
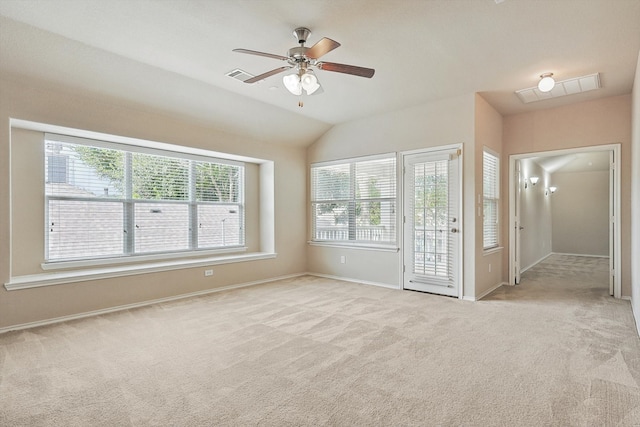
292, 83
309, 82
546, 83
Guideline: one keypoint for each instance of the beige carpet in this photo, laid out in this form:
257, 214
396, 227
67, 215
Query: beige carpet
554, 351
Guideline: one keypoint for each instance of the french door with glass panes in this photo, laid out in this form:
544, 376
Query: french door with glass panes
432, 250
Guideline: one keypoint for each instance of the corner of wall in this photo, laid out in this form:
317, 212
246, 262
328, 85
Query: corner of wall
635, 195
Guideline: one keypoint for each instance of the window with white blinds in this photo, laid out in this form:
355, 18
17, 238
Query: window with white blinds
491, 199
110, 200
354, 200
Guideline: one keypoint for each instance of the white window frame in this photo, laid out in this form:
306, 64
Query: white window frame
352, 240
490, 196
128, 254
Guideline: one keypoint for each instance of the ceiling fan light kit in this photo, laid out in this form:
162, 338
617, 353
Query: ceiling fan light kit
302, 80
301, 60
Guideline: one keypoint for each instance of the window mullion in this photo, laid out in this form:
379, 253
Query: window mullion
112, 202
128, 206
193, 207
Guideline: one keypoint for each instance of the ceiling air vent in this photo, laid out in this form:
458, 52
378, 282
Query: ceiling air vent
562, 88
238, 74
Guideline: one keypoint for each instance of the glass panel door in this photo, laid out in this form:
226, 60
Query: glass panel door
432, 222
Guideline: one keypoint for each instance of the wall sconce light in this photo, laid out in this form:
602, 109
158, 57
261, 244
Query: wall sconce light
534, 180
553, 189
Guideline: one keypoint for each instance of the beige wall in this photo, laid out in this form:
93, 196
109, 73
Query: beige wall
467, 120
28, 204
580, 213
535, 216
635, 195
436, 124
600, 122
488, 133
37, 102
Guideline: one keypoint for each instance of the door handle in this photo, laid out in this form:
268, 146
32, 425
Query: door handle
454, 230
521, 228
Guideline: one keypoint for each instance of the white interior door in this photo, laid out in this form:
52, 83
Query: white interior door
432, 222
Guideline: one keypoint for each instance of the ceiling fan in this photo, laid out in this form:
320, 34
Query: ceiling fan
301, 60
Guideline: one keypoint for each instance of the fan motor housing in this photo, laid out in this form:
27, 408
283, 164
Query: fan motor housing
299, 52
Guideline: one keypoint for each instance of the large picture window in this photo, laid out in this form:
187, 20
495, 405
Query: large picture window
491, 198
110, 200
354, 201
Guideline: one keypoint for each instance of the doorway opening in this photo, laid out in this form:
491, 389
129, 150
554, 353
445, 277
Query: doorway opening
565, 202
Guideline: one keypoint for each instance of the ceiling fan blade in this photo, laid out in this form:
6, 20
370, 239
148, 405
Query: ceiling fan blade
268, 55
346, 69
267, 74
324, 46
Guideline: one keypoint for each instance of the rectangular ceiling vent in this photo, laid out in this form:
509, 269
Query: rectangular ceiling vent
562, 88
239, 74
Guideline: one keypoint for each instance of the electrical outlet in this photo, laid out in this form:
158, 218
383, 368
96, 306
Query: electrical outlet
343, 259
489, 268
208, 272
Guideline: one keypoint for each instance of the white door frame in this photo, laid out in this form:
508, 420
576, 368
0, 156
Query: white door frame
401, 216
615, 249
517, 225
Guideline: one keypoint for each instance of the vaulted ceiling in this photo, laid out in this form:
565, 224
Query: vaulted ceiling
173, 55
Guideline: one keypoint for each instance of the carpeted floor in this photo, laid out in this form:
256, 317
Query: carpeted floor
553, 351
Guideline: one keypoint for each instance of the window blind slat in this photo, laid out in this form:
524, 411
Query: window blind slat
105, 202
354, 200
491, 197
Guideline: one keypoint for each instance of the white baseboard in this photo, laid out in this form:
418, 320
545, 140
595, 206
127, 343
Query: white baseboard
559, 253
522, 270
348, 279
636, 316
586, 255
141, 304
485, 293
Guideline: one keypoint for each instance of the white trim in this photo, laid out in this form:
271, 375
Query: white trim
522, 270
485, 293
348, 279
64, 277
140, 304
497, 199
636, 319
359, 246
617, 250
349, 160
86, 134
586, 255
172, 256
153, 148
491, 251
448, 147
444, 149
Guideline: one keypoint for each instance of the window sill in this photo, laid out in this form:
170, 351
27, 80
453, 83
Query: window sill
362, 246
139, 259
492, 251
64, 277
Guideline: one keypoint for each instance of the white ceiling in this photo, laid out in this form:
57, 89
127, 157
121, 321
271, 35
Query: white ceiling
173, 54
